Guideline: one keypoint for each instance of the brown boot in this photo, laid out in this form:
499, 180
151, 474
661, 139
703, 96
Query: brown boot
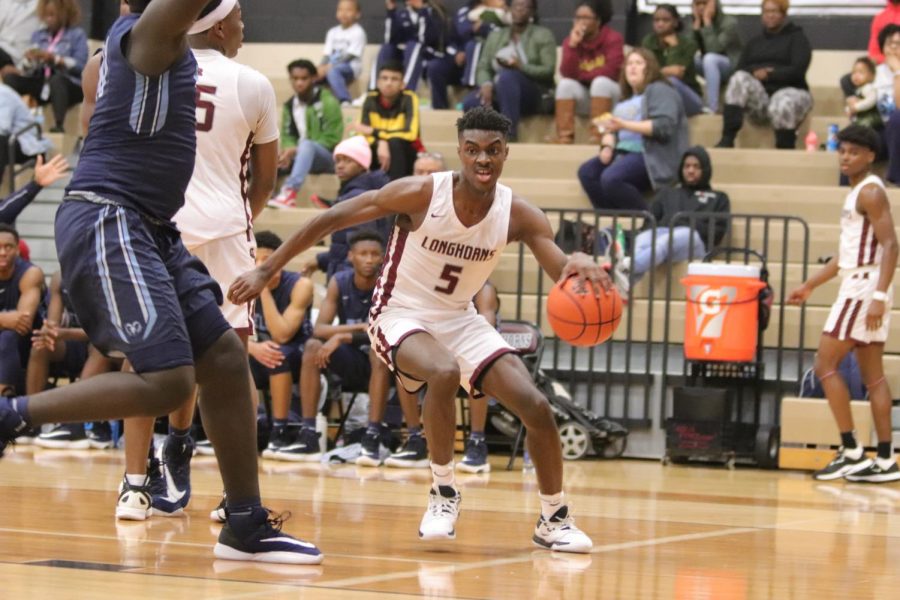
565, 122
599, 106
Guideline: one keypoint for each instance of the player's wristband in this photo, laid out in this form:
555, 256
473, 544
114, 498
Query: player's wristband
880, 296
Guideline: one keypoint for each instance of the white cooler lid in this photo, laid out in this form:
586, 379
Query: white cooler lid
723, 270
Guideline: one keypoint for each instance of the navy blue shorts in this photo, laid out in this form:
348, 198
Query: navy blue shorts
137, 291
351, 365
293, 356
72, 363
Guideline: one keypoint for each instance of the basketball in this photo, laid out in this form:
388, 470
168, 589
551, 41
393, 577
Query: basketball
581, 318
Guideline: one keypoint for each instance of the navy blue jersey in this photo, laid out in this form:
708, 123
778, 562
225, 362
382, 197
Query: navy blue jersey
354, 303
9, 288
142, 142
282, 296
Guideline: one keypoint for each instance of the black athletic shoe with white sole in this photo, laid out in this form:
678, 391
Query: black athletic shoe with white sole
876, 472
257, 537
844, 463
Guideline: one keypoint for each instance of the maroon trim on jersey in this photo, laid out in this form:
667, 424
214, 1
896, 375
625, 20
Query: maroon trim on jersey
837, 326
391, 280
245, 189
873, 247
861, 257
852, 321
484, 366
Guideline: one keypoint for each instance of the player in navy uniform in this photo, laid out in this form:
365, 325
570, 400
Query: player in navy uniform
135, 288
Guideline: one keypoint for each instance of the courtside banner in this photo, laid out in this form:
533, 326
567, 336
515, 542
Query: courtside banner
859, 8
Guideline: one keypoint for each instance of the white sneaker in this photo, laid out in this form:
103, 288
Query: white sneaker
218, 515
559, 533
439, 521
135, 503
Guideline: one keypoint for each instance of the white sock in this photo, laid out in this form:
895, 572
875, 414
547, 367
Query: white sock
854, 453
443, 474
551, 503
884, 463
136, 480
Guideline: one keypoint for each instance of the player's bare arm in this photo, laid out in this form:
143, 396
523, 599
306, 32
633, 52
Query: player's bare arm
90, 77
408, 197
828, 272
283, 326
873, 204
159, 37
323, 329
529, 224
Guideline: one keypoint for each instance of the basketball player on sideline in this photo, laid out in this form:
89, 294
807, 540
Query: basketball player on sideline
450, 232
135, 288
236, 128
860, 317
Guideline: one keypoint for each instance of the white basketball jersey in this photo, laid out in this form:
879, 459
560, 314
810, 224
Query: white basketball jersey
235, 109
442, 265
859, 247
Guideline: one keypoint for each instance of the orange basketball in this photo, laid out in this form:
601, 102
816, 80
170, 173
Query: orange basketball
581, 318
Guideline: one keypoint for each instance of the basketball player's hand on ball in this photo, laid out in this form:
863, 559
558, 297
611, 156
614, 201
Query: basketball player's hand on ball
583, 266
247, 287
799, 295
875, 315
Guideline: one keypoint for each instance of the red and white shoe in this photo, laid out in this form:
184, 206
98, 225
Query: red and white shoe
286, 198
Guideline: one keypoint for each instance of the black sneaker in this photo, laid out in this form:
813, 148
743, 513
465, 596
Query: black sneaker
11, 424
258, 537
134, 503
842, 465
175, 458
476, 458
217, 515
303, 447
370, 454
65, 436
875, 473
100, 435
413, 454
278, 439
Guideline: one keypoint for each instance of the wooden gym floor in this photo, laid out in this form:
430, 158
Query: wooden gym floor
659, 532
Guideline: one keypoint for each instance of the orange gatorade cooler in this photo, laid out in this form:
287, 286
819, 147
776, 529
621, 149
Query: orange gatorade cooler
722, 317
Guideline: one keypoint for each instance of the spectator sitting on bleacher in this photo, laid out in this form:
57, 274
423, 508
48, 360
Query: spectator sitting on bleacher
591, 64
352, 158
413, 35
643, 139
390, 122
458, 65
51, 70
862, 106
14, 117
887, 76
694, 194
720, 46
18, 20
21, 293
60, 348
44, 175
889, 16
282, 323
428, 163
311, 126
344, 47
516, 67
770, 83
675, 53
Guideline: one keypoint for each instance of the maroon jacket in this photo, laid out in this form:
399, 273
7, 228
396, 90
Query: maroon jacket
602, 55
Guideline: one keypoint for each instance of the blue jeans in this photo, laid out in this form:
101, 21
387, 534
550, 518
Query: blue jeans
693, 103
514, 95
339, 76
312, 157
681, 248
441, 73
715, 68
620, 185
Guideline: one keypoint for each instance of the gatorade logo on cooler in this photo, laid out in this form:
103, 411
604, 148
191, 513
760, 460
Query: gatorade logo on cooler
712, 306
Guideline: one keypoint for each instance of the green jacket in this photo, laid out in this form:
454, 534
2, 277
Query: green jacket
681, 55
721, 37
324, 121
540, 51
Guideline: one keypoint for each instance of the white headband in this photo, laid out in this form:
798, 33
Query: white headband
219, 13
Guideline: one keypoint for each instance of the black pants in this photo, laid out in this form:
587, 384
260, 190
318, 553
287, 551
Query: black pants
18, 156
5, 59
64, 93
403, 156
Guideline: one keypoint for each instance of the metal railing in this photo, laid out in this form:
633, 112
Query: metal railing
11, 167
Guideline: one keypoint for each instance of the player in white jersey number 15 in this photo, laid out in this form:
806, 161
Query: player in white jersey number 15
450, 231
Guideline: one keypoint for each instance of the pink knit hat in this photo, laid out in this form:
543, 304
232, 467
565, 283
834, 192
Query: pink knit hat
356, 148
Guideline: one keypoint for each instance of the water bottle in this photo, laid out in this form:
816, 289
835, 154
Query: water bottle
832, 144
812, 141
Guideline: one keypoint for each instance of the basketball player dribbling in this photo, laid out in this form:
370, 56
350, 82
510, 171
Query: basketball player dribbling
860, 317
450, 232
137, 291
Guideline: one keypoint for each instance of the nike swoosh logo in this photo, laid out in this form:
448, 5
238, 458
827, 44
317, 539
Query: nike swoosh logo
436, 216
172, 491
290, 540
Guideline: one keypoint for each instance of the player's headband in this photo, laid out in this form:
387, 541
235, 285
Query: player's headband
218, 13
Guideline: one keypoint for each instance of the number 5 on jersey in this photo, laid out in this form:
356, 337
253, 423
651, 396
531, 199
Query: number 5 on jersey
451, 275
206, 106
